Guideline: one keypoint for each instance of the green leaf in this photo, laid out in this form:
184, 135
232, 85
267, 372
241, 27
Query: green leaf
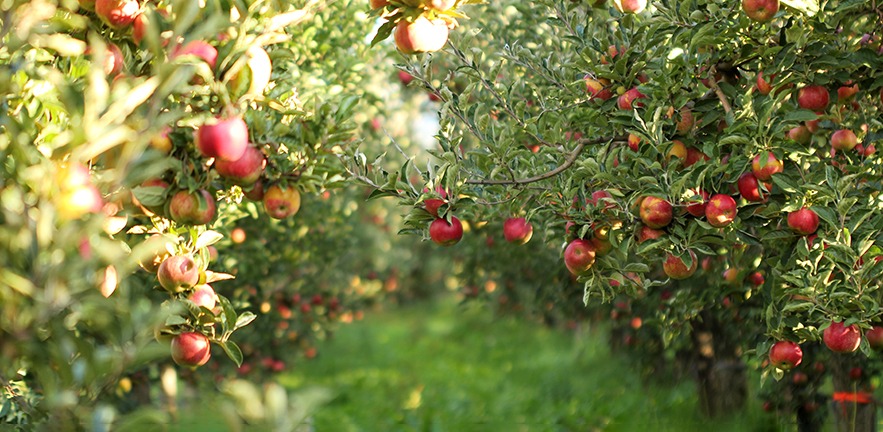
207, 238
232, 351
243, 320
809, 7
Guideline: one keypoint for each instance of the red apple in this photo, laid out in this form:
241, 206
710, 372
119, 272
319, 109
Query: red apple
598, 88
421, 36
847, 92
255, 192
630, 6
756, 278
760, 10
843, 139
191, 349
446, 233
225, 139
840, 338
198, 48
813, 97
685, 122
204, 296
764, 87
405, 77
749, 188
178, 273
281, 202
698, 199
647, 233
113, 60
694, 155
432, 205
764, 170
720, 210
812, 126
785, 355
866, 151
629, 99
656, 212
244, 171
678, 149
579, 256
875, 337
117, 14
517, 230
800, 134
675, 267
598, 196
192, 208
803, 221
634, 141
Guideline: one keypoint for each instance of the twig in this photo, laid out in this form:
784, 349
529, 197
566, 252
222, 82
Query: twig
717, 90
571, 158
20, 401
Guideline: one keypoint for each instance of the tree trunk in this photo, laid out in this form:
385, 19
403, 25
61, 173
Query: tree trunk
720, 373
853, 406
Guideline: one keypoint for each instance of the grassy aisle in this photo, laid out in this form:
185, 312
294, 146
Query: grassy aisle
439, 367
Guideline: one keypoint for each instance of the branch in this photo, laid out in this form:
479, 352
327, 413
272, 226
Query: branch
712, 82
20, 401
568, 162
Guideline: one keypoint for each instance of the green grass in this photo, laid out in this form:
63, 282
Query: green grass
440, 367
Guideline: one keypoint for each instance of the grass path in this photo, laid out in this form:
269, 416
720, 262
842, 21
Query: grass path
441, 367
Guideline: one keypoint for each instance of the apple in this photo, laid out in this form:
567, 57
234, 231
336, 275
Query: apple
749, 188
694, 155
253, 78
517, 230
117, 14
800, 135
764, 87
78, 201
720, 210
847, 92
377, 4
875, 337
446, 233
281, 202
156, 249
866, 151
223, 139
756, 278
647, 233
856, 373
760, 10
161, 141
629, 99
841, 338
178, 273
678, 149
685, 122
656, 212
764, 170
675, 267
192, 208
433, 204
405, 77
843, 139
634, 141
139, 26
803, 221
785, 355
441, 5
421, 36
204, 296
697, 206
603, 197
238, 235
731, 276
198, 48
630, 6
813, 97
191, 349
579, 256
244, 171
113, 60
598, 88
812, 126
255, 192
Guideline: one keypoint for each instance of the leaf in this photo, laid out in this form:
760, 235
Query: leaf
799, 116
211, 276
232, 351
207, 238
809, 7
243, 320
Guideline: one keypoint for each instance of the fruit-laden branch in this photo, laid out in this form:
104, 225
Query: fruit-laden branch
571, 158
717, 90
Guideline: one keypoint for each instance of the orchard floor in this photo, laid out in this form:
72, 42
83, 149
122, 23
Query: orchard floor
443, 367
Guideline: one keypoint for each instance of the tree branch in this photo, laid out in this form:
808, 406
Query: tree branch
568, 162
712, 82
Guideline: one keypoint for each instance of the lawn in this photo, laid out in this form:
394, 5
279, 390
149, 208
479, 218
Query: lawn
443, 367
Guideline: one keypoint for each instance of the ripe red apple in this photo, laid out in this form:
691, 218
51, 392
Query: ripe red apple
579, 256
764, 170
630, 6
204, 296
117, 14
764, 87
799, 378
812, 126
749, 188
433, 204
517, 230
685, 122
446, 233
803, 221
254, 77
421, 36
785, 355
200, 49
843, 139
647, 233
113, 60
629, 99
694, 155
720, 210
656, 212
255, 192
191, 349
840, 338
598, 88
800, 134
875, 337
178, 273
760, 10
598, 196
847, 92
192, 208
678, 149
866, 151
244, 171
813, 97
225, 139
675, 267
698, 199
405, 77
281, 202
756, 278
634, 141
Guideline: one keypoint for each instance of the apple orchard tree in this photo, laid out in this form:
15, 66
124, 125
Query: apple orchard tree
135, 134
646, 135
